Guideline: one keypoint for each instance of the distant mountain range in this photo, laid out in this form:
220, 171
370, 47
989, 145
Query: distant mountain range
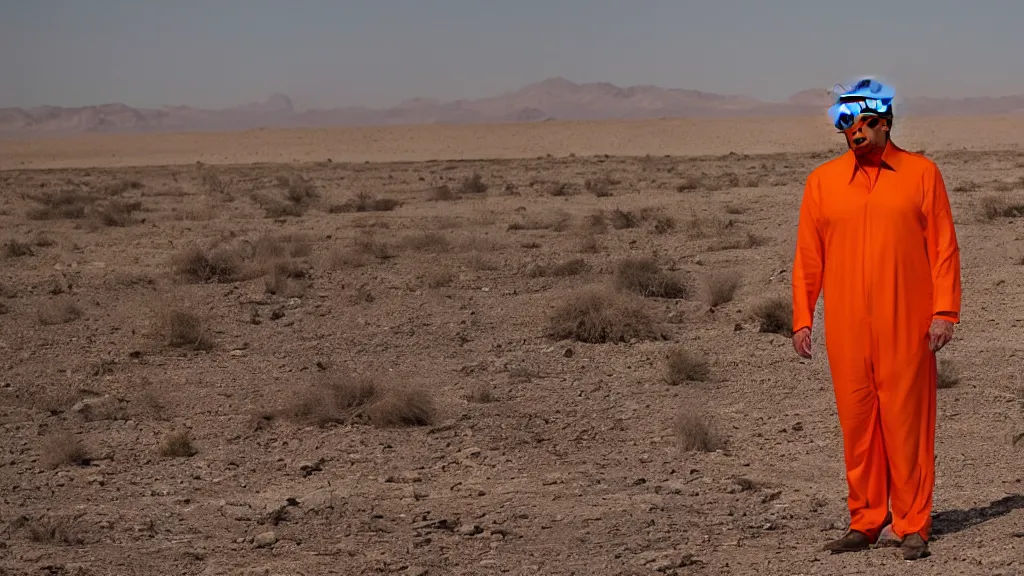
552, 99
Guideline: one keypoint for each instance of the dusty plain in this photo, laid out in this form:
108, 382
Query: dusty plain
521, 349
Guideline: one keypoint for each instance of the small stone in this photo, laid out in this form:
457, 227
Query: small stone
468, 530
265, 539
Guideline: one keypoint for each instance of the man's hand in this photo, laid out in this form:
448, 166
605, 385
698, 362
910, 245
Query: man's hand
939, 334
802, 342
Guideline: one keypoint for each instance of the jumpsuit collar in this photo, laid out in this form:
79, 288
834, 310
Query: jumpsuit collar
890, 160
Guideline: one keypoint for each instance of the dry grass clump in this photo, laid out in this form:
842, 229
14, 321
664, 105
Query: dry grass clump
571, 267
58, 311
364, 201
61, 531
183, 329
215, 263
948, 374
63, 449
480, 393
353, 398
117, 213
226, 263
17, 249
598, 315
211, 182
775, 315
372, 245
472, 185
684, 366
66, 204
721, 287
442, 193
178, 445
694, 433
643, 276
992, 207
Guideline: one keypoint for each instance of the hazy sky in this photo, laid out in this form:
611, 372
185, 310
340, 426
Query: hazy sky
216, 53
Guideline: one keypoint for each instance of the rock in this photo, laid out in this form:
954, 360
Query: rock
265, 539
321, 499
240, 513
468, 530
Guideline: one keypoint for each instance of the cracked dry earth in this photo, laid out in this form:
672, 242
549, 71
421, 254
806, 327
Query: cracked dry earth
532, 454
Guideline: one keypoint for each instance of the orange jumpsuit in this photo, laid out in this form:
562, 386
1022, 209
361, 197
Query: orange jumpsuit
877, 237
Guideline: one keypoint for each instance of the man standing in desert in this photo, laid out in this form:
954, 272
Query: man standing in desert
876, 234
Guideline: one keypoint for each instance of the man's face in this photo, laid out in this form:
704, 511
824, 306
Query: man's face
867, 134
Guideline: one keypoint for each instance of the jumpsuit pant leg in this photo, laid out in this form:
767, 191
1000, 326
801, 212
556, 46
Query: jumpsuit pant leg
906, 393
858, 404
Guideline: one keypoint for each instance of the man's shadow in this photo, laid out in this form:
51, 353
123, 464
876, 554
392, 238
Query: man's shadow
953, 521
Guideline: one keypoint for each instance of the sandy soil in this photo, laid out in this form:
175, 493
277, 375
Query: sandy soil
189, 352
676, 137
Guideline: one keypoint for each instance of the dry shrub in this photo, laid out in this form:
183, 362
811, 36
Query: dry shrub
365, 202
684, 366
178, 445
61, 531
948, 375
16, 249
622, 219
117, 213
559, 189
402, 407
63, 449
588, 244
353, 398
211, 182
213, 263
572, 267
596, 223
64, 204
473, 185
721, 287
298, 189
480, 393
694, 433
119, 187
992, 207
58, 311
183, 329
597, 315
368, 243
708, 227
664, 223
644, 277
442, 193
775, 315
601, 186
689, 183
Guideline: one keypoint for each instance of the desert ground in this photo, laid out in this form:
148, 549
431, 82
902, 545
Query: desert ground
522, 349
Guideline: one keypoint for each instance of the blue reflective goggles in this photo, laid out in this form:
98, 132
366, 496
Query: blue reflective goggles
865, 97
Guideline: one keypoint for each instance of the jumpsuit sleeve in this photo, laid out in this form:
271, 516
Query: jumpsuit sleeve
942, 246
808, 263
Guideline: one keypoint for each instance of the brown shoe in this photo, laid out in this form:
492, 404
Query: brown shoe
852, 541
914, 547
